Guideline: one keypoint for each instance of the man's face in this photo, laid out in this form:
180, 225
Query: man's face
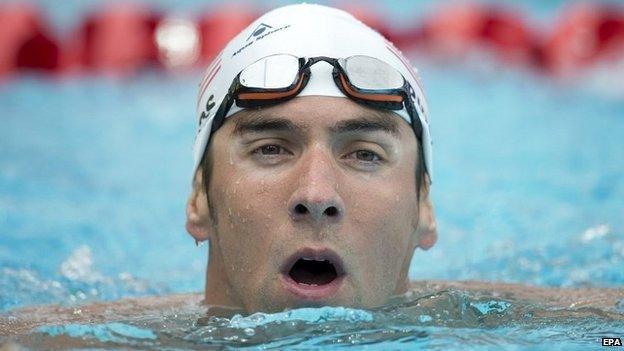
313, 203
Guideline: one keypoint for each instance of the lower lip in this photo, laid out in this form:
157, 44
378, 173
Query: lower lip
311, 292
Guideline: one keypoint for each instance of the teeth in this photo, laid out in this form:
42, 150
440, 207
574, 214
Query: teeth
314, 259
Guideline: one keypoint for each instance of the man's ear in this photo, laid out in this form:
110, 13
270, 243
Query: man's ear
427, 228
198, 219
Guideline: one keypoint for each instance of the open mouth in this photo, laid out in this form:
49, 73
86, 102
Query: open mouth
313, 274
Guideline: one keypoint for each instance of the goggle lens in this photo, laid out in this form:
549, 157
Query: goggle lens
369, 73
272, 72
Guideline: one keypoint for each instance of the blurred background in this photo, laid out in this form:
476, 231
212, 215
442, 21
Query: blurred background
97, 120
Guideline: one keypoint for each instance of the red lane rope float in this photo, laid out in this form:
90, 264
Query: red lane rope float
119, 39
122, 38
177, 38
368, 16
457, 29
586, 34
25, 41
216, 28
406, 38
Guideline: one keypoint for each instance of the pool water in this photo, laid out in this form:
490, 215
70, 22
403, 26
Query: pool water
439, 321
529, 188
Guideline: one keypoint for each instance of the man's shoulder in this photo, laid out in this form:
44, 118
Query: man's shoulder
608, 299
23, 320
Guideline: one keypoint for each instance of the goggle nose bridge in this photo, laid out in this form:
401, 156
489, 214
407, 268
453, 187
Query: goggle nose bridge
313, 60
334, 62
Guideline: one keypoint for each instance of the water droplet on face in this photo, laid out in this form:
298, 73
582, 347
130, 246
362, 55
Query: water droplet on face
250, 332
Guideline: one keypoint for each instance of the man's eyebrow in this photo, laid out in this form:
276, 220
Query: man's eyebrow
256, 123
368, 123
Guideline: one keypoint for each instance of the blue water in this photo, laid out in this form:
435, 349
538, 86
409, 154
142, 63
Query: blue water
94, 174
96, 170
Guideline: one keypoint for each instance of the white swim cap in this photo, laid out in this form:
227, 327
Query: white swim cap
303, 30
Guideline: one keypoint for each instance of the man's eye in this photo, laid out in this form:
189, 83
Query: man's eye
268, 150
366, 156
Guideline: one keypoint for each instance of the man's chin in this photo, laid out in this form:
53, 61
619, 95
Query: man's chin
286, 296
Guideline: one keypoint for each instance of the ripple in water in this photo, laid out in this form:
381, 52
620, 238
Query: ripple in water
441, 320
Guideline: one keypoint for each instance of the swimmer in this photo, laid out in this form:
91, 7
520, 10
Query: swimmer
313, 165
312, 178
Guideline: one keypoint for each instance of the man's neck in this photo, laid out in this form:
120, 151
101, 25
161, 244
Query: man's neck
218, 291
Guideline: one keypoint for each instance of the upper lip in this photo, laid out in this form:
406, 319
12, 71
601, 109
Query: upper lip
318, 254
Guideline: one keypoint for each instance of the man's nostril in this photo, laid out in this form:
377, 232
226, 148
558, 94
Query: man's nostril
331, 211
301, 209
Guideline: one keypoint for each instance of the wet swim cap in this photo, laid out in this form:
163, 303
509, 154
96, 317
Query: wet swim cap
304, 31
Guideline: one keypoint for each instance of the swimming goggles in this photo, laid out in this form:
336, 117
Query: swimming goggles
280, 77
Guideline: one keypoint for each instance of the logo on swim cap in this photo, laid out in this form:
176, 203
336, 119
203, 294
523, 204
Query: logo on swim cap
259, 33
258, 30
209, 105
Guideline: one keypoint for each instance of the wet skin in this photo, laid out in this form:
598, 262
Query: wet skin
320, 174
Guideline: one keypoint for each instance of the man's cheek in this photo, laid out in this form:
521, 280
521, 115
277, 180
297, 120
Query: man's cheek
249, 242
384, 244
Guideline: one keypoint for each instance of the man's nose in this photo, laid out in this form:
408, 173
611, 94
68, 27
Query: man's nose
316, 197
